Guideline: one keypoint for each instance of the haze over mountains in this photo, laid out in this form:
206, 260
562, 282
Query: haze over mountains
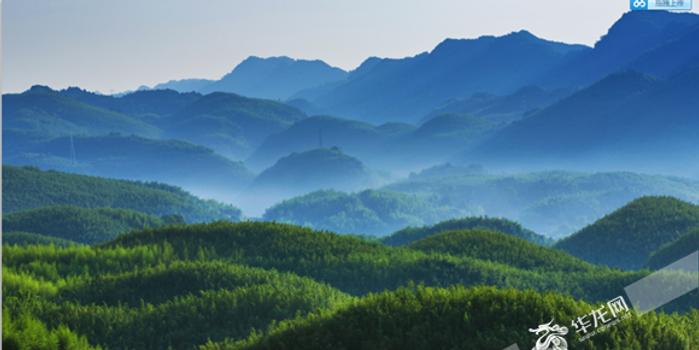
516, 103
449, 200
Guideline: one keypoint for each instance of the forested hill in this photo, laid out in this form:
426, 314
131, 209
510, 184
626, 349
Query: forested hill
458, 318
675, 250
28, 188
254, 282
331, 168
412, 234
627, 237
82, 225
356, 266
369, 212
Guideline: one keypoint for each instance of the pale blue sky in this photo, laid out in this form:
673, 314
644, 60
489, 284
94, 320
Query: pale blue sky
118, 45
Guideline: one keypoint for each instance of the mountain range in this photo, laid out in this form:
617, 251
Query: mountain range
628, 119
406, 89
275, 78
466, 101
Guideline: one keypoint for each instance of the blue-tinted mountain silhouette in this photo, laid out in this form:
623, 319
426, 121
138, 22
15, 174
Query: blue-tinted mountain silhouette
409, 88
654, 42
628, 119
275, 78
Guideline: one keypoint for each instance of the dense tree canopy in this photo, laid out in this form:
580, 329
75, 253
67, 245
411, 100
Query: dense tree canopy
627, 237
257, 284
82, 225
411, 234
368, 212
459, 318
29, 188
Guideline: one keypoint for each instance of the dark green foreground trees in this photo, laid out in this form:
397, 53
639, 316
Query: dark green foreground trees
274, 286
460, 318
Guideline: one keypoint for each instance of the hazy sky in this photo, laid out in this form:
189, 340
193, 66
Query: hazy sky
118, 45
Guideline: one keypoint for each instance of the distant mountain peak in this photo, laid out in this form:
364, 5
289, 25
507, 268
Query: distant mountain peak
40, 89
523, 36
278, 77
643, 28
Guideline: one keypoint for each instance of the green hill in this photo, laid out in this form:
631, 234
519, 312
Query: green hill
412, 234
232, 281
459, 318
81, 225
150, 105
552, 203
675, 250
368, 212
29, 188
135, 286
27, 238
232, 125
41, 113
203, 300
357, 138
357, 266
501, 248
627, 237
332, 169
194, 167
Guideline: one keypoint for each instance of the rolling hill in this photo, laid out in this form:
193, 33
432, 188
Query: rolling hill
410, 235
636, 121
26, 188
40, 114
330, 168
675, 250
146, 104
368, 212
214, 300
458, 318
241, 282
358, 267
196, 168
305, 172
81, 225
394, 89
27, 238
363, 140
627, 237
552, 203
232, 125
499, 247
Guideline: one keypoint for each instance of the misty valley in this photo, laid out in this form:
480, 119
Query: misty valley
455, 199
